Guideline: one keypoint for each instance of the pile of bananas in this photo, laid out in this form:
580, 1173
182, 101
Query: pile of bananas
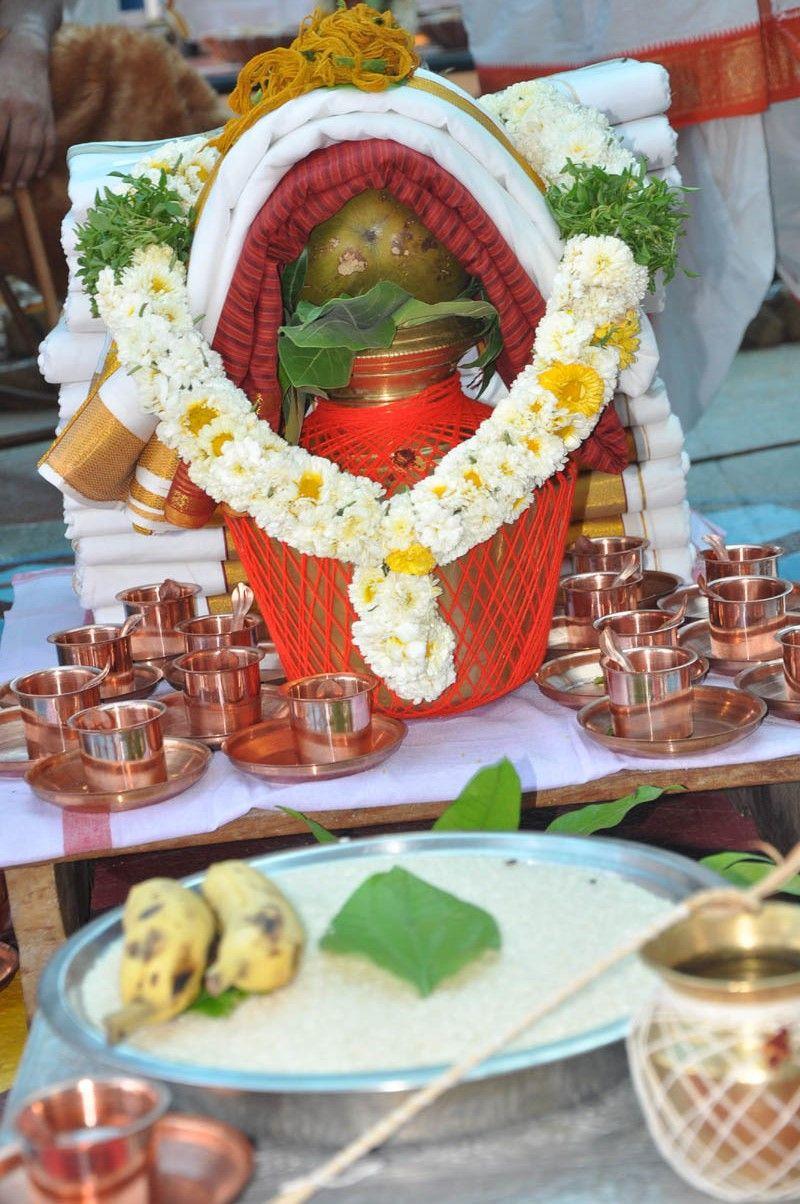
169, 932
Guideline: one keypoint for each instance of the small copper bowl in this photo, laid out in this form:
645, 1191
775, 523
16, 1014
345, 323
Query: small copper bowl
121, 745
214, 631
745, 615
744, 560
98, 644
223, 689
48, 698
590, 596
789, 640
331, 715
156, 637
611, 554
86, 1137
654, 702
632, 628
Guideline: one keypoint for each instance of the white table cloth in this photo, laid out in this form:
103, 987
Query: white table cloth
437, 758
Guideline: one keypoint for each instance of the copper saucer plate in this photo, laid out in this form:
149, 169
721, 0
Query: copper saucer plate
722, 715
14, 759
572, 680
768, 681
697, 638
60, 780
9, 964
268, 750
270, 668
145, 679
176, 716
194, 1159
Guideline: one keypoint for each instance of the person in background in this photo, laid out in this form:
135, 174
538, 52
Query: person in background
27, 128
734, 69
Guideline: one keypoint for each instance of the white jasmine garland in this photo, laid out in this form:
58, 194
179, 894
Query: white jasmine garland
307, 501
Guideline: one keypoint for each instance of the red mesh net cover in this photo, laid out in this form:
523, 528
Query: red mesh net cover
499, 597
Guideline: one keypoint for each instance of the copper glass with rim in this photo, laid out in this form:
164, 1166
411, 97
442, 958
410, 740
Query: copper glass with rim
90, 1139
214, 631
331, 715
631, 628
121, 745
156, 637
745, 615
653, 701
590, 596
97, 644
743, 560
48, 698
610, 555
223, 689
789, 640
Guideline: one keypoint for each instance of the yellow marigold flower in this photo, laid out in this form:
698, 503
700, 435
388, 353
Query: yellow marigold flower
416, 559
197, 415
576, 387
219, 441
310, 485
622, 335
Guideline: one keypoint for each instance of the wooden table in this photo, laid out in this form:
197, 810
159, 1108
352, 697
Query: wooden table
49, 900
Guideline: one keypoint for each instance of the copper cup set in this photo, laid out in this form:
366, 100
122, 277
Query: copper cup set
606, 581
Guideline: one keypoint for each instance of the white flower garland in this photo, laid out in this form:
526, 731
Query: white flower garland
588, 331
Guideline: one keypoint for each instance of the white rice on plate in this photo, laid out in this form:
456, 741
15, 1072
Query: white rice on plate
343, 1014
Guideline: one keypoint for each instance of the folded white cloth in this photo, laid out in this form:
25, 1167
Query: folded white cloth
70, 398
656, 483
78, 316
65, 357
649, 407
658, 440
98, 585
131, 548
92, 521
623, 89
670, 560
667, 527
651, 137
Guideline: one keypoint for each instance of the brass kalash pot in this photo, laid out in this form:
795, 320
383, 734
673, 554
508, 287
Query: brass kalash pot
401, 412
715, 1053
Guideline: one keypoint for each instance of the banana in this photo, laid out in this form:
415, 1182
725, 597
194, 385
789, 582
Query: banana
261, 934
168, 930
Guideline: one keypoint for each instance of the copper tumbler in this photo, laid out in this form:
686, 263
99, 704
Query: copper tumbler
590, 596
48, 698
654, 701
121, 745
98, 644
745, 615
214, 631
631, 628
223, 689
743, 560
789, 640
89, 1139
156, 637
331, 715
610, 555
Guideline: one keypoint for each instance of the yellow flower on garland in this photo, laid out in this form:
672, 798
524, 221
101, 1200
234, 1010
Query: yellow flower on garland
219, 441
197, 415
576, 387
415, 559
310, 485
622, 335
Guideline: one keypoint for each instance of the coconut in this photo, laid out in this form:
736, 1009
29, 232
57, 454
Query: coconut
372, 238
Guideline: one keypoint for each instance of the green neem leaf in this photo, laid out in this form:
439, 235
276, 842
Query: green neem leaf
315, 367
217, 1006
599, 816
490, 802
744, 869
322, 835
358, 323
411, 928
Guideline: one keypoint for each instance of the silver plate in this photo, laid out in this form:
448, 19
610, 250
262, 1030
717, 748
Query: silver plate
331, 1108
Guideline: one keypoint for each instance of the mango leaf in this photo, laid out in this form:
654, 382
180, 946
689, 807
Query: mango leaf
599, 816
490, 802
411, 928
315, 367
217, 1006
357, 323
416, 313
744, 869
293, 277
317, 830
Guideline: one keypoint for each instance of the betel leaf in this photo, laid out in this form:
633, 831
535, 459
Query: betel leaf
416, 313
411, 928
217, 1006
490, 802
315, 367
598, 816
744, 869
322, 835
357, 323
